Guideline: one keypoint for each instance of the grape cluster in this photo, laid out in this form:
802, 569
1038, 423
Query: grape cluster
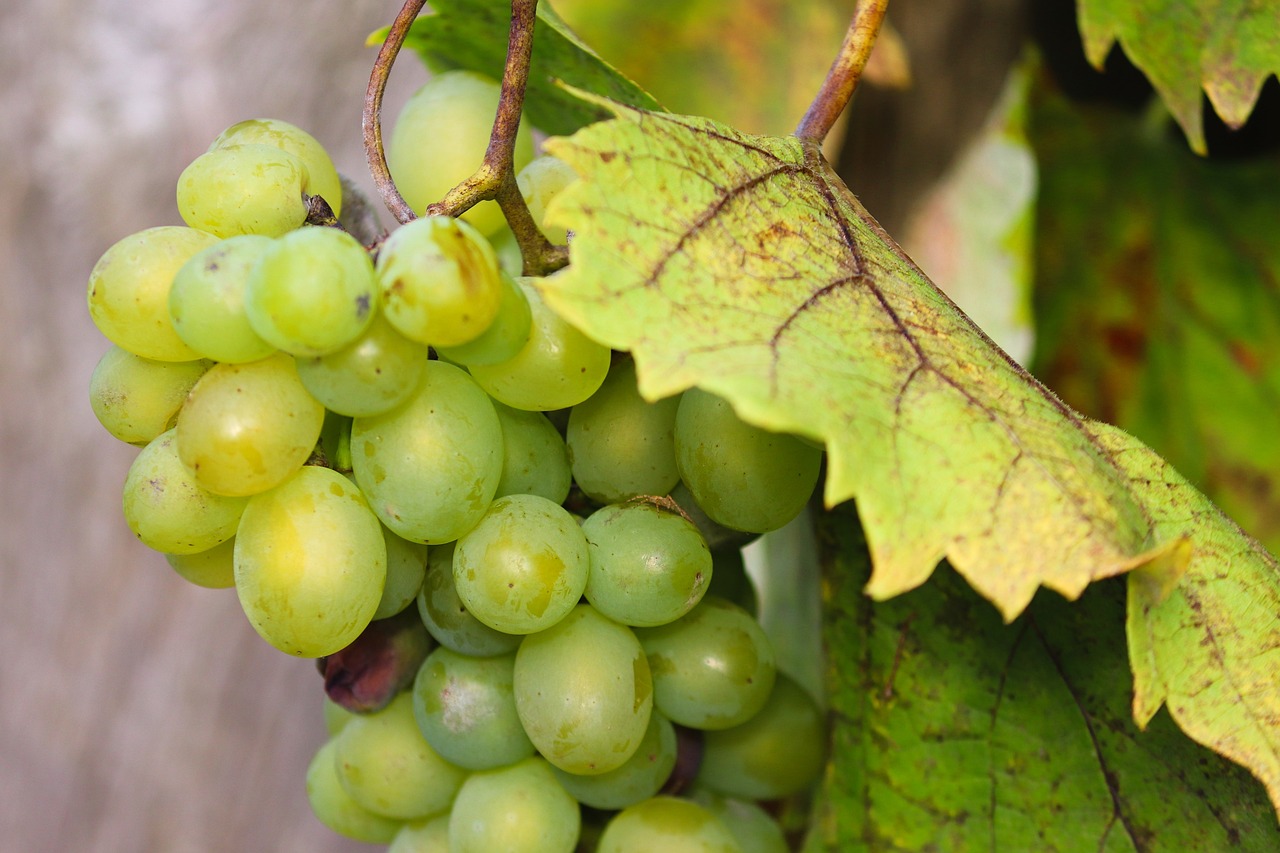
413, 470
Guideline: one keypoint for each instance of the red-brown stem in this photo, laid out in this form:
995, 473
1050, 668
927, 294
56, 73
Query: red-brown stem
373, 148
845, 72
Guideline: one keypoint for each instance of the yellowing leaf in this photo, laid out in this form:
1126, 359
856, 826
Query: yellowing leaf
1210, 648
1226, 47
743, 265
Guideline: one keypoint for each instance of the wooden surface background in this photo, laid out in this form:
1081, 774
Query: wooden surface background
138, 713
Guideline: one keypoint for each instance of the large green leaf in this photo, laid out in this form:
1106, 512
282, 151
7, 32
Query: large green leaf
472, 34
1228, 48
953, 731
744, 266
1158, 299
1209, 646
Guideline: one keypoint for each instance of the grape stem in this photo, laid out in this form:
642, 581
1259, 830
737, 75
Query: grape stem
842, 78
496, 178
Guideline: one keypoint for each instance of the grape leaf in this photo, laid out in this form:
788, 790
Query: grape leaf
1226, 47
953, 731
1158, 302
744, 266
472, 34
1209, 648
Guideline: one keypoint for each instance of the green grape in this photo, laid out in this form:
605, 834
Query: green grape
557, 367
429, 835
310, 563
583, 692
129, 290
430, 466
335, 716
641, 777
244, 189
535, 461
447, 618
246, 427
540, 182
754, 829
777, 753
669, 825
167, 509
334, 806
406, 567
312, 292
510, 261
388, 768
713, 668
506, 335
743, 477
466, 710
323, 177
523, 567
136, 398
372, 375
439, 281
516, 808
206, 303
213, 568
649, 565
440, 137
620, 445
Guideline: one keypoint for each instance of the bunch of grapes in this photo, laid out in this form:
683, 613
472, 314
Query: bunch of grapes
413, 470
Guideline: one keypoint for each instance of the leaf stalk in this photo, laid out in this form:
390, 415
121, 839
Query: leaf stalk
845, 72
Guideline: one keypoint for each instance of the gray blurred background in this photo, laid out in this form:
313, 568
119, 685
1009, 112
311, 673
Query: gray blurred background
139, 713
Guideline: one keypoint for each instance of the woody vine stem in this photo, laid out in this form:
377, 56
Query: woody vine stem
495, 178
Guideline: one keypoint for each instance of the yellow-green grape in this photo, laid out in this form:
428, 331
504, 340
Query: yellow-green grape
584, 692
540, 182
751, 825
641, 777
137, 398
430, 835
466, 709
129, 290
510, 261
168, 510
506, 335
335, 716
743, 477
620, 445
246, 427
777, 753
387, 767
334, 807
406, 567
516, 808
649, 564
713, 668
557, 367
447, 619
535, 460
310, 563
430, 467
669, 825
244, 189
213, 568
324, 180
440, 137
206, 303
376, 373
312, 292
524, 565
439, 281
